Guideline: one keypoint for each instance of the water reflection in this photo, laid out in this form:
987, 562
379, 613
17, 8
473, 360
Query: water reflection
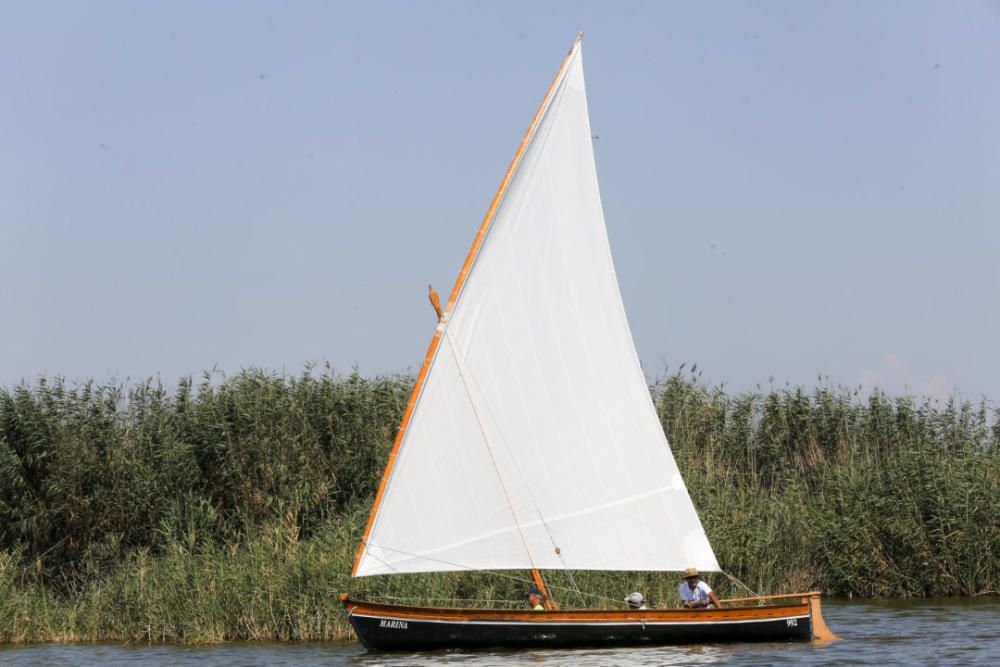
604, 657
883, 633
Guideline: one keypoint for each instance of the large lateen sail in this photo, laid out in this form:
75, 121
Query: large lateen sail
532, 441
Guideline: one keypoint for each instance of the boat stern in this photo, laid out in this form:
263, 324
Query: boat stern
820, 631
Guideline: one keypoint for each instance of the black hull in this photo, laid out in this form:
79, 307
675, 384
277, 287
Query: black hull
385, 632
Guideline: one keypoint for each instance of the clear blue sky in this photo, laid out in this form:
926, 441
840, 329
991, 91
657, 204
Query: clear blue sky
791, 189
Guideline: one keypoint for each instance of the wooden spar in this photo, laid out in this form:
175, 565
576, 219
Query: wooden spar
435, 301
782, 596
502, 190
547, 600
456, 290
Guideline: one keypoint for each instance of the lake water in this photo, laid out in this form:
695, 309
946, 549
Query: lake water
897, 632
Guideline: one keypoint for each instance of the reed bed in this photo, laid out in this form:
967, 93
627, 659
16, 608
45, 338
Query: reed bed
230, 509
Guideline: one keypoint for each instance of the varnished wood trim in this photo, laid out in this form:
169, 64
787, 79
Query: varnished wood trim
769, 612
783, 596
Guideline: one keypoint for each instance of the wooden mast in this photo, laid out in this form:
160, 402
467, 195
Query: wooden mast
456, 290
547, 600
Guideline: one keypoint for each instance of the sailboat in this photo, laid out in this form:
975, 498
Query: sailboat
530, 441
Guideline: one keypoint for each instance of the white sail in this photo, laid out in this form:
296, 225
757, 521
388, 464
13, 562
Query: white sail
533, 442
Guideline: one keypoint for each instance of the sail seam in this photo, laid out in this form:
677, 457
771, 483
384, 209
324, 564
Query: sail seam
530, 525
493, 572
520, 474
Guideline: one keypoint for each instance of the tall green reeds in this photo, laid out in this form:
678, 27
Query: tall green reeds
886, 497
231, 509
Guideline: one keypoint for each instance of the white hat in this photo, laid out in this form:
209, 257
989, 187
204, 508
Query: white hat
634, 598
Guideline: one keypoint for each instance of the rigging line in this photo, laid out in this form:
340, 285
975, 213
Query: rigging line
466, 378
379, 560
489, 445
384, 562
457, 290
415, 597
517, 467
737, 581
497, 573
454, 603
572, 580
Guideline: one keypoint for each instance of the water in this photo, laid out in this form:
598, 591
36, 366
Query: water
899, 632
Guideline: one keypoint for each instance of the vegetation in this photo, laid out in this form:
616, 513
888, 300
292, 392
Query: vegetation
232, 509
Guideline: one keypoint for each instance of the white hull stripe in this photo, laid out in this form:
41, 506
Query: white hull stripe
579, 623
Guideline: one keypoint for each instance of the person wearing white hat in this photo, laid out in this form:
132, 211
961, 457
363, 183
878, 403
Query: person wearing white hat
635, 601
696, 594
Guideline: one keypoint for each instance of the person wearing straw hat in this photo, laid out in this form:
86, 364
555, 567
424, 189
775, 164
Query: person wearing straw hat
695, 593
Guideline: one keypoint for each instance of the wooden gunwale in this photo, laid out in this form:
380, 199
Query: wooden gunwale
781, 596
747, 613
459, 283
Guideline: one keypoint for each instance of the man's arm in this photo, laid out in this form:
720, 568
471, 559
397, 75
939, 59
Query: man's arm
714, 599
694, 604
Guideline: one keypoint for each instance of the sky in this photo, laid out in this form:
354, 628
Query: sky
804, 193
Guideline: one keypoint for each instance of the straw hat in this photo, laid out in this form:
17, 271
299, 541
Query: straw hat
691, 573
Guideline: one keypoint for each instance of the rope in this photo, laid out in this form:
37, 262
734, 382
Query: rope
452, 602
410, 597
493, 572
572, 581
524, 580
737, 581
489, 446
380, 560
517, 468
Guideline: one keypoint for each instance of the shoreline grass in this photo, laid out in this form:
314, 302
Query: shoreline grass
231, 511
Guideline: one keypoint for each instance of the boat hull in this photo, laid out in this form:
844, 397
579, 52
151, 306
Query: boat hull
395, 627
